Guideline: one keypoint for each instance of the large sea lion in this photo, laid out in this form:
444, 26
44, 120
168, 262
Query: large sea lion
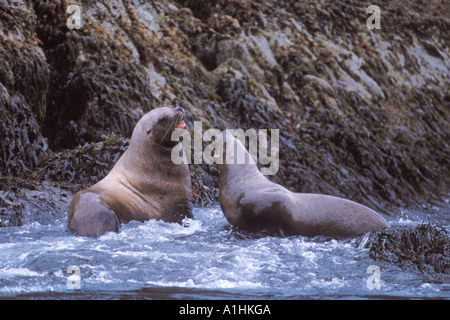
252, 202
144, 183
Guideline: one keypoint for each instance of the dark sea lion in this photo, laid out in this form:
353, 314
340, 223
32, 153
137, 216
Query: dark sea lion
144, 183
252, 202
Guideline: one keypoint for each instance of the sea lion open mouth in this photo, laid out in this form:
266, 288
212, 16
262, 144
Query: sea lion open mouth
181, 124
177, 123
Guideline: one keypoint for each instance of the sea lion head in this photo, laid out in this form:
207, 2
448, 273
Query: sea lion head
154, 129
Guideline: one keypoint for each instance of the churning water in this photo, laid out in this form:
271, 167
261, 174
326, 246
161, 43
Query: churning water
201, 259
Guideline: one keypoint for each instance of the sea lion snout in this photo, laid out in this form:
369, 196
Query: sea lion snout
180, 119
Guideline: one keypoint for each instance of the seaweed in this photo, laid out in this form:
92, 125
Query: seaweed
424, 248
86, 164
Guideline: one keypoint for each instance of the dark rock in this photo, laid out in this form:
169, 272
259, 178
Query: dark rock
362, 114
424, 248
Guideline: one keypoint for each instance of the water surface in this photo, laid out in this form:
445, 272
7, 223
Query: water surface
202, 259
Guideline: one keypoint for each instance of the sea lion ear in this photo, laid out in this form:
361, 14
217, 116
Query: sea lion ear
148, 130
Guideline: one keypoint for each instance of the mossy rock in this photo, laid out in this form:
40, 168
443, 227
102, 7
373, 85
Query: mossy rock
299, 65
86, 164
424, 248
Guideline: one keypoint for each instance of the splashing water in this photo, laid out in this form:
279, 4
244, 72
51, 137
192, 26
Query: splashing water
202, 258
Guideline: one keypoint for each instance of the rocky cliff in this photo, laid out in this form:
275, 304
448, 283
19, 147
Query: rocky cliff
362, 113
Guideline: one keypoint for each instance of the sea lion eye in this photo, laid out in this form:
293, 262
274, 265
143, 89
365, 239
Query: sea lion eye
148, 130
164, 119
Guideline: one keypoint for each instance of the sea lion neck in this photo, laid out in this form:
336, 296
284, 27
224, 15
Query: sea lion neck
139, 157
239, 171
240, 163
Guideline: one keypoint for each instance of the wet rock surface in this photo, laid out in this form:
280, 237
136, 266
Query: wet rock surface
363, 114
424, 248
24, 202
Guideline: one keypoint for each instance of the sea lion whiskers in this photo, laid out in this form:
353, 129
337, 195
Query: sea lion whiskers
171, 127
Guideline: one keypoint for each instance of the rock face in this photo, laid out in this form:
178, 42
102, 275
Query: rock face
424, 248
363, 114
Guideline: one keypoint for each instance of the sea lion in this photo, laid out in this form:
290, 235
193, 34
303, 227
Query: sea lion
253, 203
144, 183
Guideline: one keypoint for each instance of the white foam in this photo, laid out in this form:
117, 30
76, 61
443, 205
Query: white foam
226, 284
199, 254
334, 283
15, 272
182, 284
